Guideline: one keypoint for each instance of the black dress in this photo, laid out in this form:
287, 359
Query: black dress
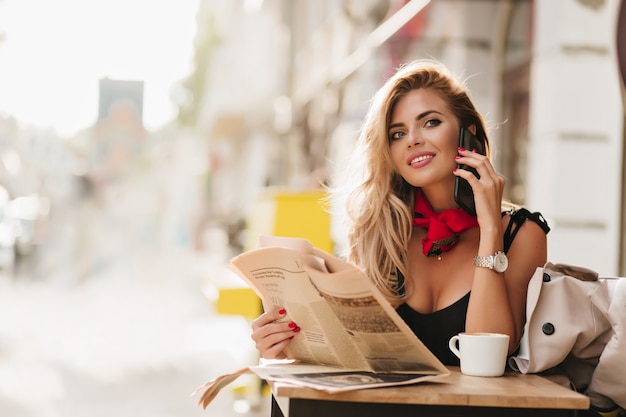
435, 329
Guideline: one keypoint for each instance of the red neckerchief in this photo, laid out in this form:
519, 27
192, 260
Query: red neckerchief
444, 228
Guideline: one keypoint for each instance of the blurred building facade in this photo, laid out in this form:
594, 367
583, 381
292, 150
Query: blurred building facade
287, 83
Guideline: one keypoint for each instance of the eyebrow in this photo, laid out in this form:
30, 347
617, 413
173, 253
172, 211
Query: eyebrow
419, 117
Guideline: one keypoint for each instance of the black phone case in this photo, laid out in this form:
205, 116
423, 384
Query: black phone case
463, 194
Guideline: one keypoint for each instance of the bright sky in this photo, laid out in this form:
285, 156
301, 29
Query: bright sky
56, 51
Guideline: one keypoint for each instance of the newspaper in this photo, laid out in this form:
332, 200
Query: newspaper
351, 337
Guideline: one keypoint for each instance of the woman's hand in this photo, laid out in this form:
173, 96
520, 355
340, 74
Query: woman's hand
271, 336
488, 190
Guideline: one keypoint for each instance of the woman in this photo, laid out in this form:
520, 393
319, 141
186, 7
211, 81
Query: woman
433, 260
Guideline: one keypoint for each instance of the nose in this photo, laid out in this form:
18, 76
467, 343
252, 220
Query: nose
413, 139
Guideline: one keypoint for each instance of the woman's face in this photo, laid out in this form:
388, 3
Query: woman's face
423, 136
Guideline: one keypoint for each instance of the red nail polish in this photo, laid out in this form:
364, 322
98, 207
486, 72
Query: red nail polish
454, 170
461, 149
292, 325
282, 311
296, 330
457, 157
474, 150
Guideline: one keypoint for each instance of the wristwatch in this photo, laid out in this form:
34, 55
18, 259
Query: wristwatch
497, 262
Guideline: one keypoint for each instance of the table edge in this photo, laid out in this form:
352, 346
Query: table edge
414, 394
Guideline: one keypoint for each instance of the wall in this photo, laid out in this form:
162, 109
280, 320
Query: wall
575, 154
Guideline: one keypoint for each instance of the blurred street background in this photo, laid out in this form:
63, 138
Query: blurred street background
143, 144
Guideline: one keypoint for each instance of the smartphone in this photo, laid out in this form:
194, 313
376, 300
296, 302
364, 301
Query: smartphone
463, 194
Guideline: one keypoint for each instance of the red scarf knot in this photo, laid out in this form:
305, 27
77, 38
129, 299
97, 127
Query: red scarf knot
444, 228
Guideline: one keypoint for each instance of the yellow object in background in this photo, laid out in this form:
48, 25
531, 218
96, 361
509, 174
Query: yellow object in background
238, 301
301, 214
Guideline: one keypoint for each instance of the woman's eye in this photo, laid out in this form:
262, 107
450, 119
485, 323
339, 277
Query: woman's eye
433, 122
396, 135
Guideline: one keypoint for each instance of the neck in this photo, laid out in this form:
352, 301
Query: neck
440, 199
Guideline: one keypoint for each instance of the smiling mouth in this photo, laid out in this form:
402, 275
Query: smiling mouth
421, 158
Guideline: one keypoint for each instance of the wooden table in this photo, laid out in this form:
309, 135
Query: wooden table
513, 394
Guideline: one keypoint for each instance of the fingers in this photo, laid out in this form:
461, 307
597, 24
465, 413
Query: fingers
475, 160
274, 351
489, 178
271, 335
268, 317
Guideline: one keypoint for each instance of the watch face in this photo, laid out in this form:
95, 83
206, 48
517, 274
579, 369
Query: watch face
501, 262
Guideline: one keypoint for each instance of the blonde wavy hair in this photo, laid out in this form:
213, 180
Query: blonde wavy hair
379, 206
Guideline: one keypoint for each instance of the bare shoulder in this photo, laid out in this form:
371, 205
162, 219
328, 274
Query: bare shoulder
528, 247
521, 224
528, 233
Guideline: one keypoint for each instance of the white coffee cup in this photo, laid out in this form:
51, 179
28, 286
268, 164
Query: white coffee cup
481, 354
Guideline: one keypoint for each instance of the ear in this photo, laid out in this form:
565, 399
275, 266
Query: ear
472, 128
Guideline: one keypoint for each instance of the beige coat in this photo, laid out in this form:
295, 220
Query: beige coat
576, 323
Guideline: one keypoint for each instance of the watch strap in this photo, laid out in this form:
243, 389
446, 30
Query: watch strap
484, 261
